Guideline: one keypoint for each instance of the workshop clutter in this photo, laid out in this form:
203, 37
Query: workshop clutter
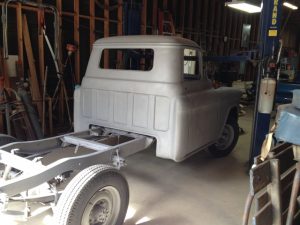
34, 96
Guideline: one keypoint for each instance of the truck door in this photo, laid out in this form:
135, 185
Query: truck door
203, 101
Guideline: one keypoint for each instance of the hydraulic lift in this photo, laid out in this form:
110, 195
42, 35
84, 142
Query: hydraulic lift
269, 46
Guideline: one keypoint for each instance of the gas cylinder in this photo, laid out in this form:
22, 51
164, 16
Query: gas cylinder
266, 96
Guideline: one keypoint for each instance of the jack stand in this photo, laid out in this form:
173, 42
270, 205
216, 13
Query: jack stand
27, 211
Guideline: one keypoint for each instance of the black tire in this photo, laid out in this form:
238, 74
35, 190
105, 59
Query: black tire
220, 149
6, 139
93, 192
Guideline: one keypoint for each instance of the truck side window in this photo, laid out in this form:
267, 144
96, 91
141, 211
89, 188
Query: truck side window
191, 64
127, 59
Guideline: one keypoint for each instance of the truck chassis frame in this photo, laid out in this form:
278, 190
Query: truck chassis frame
37, 162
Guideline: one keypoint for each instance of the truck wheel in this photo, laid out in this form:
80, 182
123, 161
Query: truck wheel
227, 141
6, 139
98, 195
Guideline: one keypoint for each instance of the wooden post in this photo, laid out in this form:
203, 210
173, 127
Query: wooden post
165, 4
174, 4
120, 32
154, 16
239, 32
20, 41
50, 116
198, 20
234, 31
106, 31
144, 17
212, 16
205, 22
4, 70
223, 31
61, 105
228, 32
191, 12
92, 23
217, 27
59, 8
120, 17
77, 41
182, 15
34, 85
1, 123
41, 16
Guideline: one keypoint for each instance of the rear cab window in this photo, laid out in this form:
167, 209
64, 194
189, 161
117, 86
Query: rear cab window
191, 64
127, 59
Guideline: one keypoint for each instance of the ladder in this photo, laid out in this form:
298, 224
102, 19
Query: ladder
165, 23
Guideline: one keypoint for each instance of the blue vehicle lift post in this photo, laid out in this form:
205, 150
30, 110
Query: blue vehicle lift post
269, 41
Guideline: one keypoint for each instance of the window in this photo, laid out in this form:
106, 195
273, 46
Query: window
191, 64
127, 59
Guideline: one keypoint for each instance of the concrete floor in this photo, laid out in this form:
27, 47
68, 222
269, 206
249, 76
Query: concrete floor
200, 190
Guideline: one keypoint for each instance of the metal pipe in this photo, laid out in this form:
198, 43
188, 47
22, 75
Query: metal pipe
278, 58
38, 5
44, 99
247, 208
294, 194
279, 51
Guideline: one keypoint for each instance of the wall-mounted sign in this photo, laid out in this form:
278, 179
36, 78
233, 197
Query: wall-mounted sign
273, 29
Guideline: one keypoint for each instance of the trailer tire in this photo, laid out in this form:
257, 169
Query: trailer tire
227, 141
6, 139
97, 195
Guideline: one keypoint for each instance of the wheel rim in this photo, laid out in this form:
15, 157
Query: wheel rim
103, 208
226, 138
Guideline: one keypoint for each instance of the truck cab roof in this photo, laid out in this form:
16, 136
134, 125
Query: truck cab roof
149, 40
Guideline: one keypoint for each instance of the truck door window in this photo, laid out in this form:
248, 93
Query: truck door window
127, 59
191, 64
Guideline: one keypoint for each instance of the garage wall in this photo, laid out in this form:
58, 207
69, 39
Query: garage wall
208, 22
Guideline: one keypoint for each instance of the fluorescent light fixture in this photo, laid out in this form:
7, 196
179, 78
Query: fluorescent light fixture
246, 6
291, 6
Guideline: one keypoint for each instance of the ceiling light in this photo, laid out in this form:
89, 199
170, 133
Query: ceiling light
291, 6
246, 6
